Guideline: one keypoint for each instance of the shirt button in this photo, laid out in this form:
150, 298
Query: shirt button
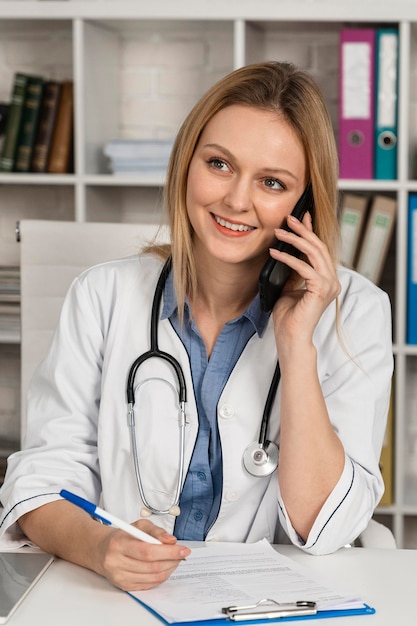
201, 476
198, 515
226, 410
232, 496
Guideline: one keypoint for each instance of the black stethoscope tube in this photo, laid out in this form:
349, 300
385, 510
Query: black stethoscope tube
268, 406
154, 351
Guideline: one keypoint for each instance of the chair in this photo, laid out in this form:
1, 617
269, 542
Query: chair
52, 254
376, 535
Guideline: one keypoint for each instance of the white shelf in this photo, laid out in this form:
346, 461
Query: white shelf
325, 10
128, 180
207, 39
36, 179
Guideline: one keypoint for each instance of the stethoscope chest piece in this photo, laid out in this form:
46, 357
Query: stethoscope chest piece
261, 460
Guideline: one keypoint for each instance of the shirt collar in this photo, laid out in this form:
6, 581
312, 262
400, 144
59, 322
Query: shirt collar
253, 313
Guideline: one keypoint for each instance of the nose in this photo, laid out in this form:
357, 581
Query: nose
238, 196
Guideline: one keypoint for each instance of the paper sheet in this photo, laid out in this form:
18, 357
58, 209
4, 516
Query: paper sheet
217, 576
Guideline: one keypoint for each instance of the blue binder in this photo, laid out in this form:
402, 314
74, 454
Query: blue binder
412, 270
386, 106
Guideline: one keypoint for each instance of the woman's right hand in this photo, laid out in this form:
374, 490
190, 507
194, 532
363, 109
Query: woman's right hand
67, 531
134, 565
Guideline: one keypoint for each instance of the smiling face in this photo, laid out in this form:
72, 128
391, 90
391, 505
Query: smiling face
246, 174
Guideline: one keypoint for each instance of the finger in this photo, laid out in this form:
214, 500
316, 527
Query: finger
132, 575
307, 221
138, 581
163, 552
152, 566
300, 236
300, 226
319, 275
155, 531
300, 267
306, 242
147, 552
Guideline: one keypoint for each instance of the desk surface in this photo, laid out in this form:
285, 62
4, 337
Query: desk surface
72, 596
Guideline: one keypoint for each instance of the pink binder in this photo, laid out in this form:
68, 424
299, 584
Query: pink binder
357, 103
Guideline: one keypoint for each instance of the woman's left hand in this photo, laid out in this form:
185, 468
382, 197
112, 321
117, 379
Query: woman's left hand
298, 310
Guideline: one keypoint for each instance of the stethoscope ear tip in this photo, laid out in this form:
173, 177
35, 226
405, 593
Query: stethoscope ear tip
174, 510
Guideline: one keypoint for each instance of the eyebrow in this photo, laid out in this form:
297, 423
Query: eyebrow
267, 170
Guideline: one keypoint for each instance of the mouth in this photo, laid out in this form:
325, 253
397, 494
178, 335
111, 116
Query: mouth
233, 226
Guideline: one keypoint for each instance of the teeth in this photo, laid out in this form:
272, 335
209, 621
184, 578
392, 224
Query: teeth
239, 227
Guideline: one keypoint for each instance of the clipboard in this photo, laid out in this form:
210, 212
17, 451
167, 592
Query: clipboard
220, 584
258, 614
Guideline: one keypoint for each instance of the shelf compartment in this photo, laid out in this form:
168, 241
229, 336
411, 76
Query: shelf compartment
150, 99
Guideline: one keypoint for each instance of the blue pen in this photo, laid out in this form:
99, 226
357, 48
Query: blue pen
107, 518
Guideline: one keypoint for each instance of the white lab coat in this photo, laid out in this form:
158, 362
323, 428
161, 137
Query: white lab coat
78, 435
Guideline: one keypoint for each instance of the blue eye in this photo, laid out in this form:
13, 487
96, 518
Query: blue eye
217, 163
273, 183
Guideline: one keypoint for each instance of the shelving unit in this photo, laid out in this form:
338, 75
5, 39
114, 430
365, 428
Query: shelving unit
139, 67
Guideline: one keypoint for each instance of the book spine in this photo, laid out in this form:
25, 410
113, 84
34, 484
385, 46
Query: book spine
356, 103
386, 462
386, 113
48, 113
4, 110
61, 148
352, 218
378, 232
28, 124
13, 122
412, 271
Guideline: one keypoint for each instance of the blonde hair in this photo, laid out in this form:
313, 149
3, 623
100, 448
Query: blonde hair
271, 86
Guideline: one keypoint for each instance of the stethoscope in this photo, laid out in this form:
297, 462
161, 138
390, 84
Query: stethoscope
259, 459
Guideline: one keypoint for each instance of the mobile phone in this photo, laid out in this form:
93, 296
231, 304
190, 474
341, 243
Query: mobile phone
274, 274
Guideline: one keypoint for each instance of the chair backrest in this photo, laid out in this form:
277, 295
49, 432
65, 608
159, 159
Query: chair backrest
52, 254
376, 535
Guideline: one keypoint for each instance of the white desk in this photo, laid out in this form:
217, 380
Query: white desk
72, 596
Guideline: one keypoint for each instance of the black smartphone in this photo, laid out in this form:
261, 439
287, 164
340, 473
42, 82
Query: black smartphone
274, 273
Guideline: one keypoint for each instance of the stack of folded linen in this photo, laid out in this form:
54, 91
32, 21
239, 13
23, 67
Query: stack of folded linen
138, 157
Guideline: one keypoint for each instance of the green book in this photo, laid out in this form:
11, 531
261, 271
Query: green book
28, 124
13, 122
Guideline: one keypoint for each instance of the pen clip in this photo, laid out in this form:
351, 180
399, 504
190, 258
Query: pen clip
275, 610
101, 519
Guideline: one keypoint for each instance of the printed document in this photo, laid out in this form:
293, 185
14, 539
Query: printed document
221, 575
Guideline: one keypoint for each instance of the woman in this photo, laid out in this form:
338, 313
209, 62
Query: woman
242, 159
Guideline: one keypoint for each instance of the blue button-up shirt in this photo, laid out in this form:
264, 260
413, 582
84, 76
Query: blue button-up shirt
202, 490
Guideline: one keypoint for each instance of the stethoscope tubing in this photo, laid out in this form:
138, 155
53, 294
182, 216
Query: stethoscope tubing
268, 450
155, 352
182, 425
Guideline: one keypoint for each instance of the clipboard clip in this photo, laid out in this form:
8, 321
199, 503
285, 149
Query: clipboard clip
275, 610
